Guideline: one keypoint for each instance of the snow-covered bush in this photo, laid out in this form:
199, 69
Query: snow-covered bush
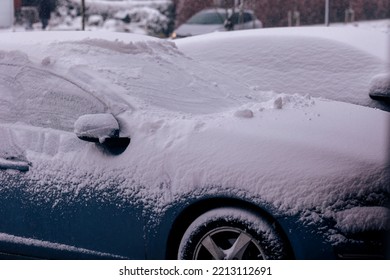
152, 17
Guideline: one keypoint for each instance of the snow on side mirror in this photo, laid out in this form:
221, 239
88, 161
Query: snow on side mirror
96, 127
380, 87
102, 129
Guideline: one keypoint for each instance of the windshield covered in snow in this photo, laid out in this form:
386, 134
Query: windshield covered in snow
125, 69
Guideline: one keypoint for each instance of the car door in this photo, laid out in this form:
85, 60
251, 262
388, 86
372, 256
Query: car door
55, 202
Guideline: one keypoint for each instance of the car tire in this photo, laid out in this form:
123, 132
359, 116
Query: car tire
231, 233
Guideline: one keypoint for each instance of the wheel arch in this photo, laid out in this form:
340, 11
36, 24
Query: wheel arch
193, 211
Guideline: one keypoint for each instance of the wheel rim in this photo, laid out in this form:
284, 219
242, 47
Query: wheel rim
228, 243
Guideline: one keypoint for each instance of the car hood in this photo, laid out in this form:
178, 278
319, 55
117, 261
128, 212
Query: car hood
334, 63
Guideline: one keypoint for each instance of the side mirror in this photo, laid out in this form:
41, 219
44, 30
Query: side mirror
96, 127
380, 87
102, 129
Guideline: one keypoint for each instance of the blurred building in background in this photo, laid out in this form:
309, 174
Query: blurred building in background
277, 13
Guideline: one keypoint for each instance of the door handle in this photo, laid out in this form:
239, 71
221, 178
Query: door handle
14, 164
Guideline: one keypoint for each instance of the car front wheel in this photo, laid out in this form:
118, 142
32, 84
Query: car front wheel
231, 234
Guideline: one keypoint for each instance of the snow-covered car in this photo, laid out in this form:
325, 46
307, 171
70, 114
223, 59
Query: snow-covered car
217, 19
123, 146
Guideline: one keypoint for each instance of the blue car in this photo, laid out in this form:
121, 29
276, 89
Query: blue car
120, 146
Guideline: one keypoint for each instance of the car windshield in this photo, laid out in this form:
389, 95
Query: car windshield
207, 18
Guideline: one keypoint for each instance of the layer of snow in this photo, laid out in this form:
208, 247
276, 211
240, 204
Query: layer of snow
100, 126
362, 219
9, 149
194, 128
152, 71
27, 89
334, 63
50, 245
380, 85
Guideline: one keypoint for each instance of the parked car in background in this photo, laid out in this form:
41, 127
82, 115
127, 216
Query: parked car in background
211, 20
121, 146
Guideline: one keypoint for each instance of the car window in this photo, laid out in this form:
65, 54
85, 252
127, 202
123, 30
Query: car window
207, 18
238, 18
41, 98
235, 18
247, 17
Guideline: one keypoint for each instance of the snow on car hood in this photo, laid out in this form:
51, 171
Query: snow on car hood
195, 130
333, 63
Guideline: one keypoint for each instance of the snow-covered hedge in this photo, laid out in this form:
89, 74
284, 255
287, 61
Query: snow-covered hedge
152, 17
